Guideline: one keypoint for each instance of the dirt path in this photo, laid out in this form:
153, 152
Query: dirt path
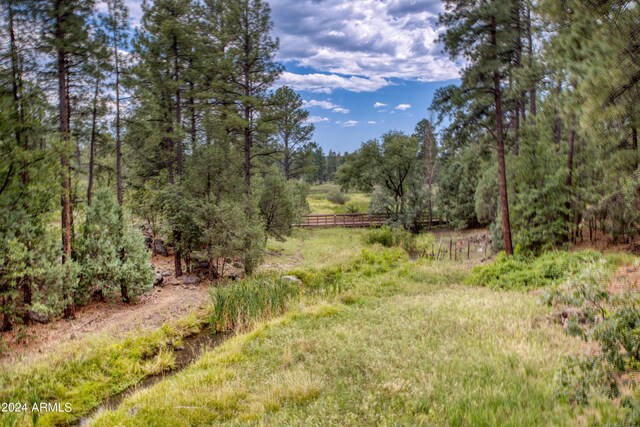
164, 303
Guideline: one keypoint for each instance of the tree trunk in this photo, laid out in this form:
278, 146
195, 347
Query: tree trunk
557, 132
63, 111
247, 151
287, 159
92, 141
177, 255
178, 127
532, 91
634, 146
499, 135
119, 190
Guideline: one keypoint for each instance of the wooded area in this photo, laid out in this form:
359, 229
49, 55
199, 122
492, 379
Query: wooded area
131, 156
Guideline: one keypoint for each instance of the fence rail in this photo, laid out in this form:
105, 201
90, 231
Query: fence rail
353, 220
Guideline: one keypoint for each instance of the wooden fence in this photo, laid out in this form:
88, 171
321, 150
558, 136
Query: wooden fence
353, 220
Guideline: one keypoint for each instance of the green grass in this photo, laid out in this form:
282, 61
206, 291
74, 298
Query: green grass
397, 343
315, 247
87, 372
318, 203
522, 272
239, 306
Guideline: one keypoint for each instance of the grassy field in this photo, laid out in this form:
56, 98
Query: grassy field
358, 202
404, 345
315, 247
370, 338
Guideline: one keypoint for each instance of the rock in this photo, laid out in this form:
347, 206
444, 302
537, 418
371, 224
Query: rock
233, 277
202, 265
38, 317
191, 280
159, 248
291, 279
158, 280
166, 273
175, 282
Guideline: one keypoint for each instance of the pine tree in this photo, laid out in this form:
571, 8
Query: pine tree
294, 135
251, 70
484, 33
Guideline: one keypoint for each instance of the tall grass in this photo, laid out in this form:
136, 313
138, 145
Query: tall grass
240, 305
524, 272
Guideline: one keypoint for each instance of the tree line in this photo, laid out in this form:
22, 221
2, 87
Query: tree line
540, 138
174, 123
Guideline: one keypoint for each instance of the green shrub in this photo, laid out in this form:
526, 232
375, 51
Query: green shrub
390, 237
337, 197
240, 305
523, 272
612, 322
111, 253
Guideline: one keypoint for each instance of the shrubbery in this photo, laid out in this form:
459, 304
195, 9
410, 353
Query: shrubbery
524, 272
111, 253
610, 321
337, 197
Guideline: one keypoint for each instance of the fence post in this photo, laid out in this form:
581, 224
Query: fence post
450, 248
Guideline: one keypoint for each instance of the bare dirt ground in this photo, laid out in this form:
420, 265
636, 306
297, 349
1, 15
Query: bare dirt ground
163, 304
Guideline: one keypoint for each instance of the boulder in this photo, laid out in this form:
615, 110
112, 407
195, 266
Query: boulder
190, 280
38, 317
291, 279
159, 248
159, 280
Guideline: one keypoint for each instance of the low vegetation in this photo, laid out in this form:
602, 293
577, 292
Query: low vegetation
381, 343
527, 272
89, 371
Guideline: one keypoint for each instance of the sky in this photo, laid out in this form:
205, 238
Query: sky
363, 67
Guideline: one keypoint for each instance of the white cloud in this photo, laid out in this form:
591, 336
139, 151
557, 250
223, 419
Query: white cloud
371, 122
316, 119
367, 38
348, 123
380, 105
327, 105
327, 83
403, 107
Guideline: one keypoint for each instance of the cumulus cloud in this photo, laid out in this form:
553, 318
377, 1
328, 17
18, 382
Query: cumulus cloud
341, 110
371, 122
348, 123
380, 105
316, 119
327, 83
403, 107
365, 38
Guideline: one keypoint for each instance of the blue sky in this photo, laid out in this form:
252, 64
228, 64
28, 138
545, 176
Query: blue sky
363, 66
